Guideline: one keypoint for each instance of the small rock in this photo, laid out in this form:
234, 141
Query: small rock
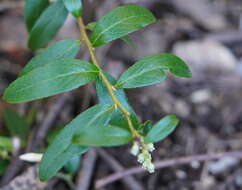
207, 182
195, 164
203, 12
206, 55
182, 108
238, 181
201, 96
181, 174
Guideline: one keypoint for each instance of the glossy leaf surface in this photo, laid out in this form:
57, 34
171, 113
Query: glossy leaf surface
97, 115
47, 25
32, 10
61, 50
120, 22
162, 129
61, 76
103, 136
52, 163
152, 70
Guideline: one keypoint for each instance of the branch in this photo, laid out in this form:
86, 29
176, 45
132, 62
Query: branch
167, 163
85, 174
37, 137
130, 181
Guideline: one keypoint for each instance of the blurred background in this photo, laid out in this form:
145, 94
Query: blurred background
207, 34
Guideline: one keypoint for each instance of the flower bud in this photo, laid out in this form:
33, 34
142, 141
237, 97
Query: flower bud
141, 158
151, 147
135, 149
151, 168
31, 157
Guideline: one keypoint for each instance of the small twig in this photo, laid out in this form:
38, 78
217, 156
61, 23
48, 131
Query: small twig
167, 163
130, 181
49, 119
37, 138
13, 168
67, 178
85, 174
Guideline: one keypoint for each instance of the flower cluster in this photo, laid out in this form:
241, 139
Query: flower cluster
143, 150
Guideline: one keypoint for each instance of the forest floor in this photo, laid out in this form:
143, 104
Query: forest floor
205, 33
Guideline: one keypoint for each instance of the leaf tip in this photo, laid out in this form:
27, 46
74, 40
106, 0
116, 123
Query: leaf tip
5, 96
42, 177
43, 174
189, 74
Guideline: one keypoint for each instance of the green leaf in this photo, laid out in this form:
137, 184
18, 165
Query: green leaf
60, 76
6, 143
52, 163
90, 26
74, 7
152, 70
53, 134
161, 129
118, 119
128, 41
103, 136
32, 10
145, 128
3, 166
120, 22
16, 124
96, 115
141, 74
73, 165
61, 50
47, 25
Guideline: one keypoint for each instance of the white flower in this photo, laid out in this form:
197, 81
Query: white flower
148, 165
144, 157
147, 155
151, 167
141, 158
31, 157
151, 147
135, 149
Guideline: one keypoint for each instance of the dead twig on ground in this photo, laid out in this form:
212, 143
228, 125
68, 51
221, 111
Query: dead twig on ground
85, 174
37, 138
51, 116
129, 181
167, 163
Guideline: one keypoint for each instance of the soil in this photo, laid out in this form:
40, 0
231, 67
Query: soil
205, 33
